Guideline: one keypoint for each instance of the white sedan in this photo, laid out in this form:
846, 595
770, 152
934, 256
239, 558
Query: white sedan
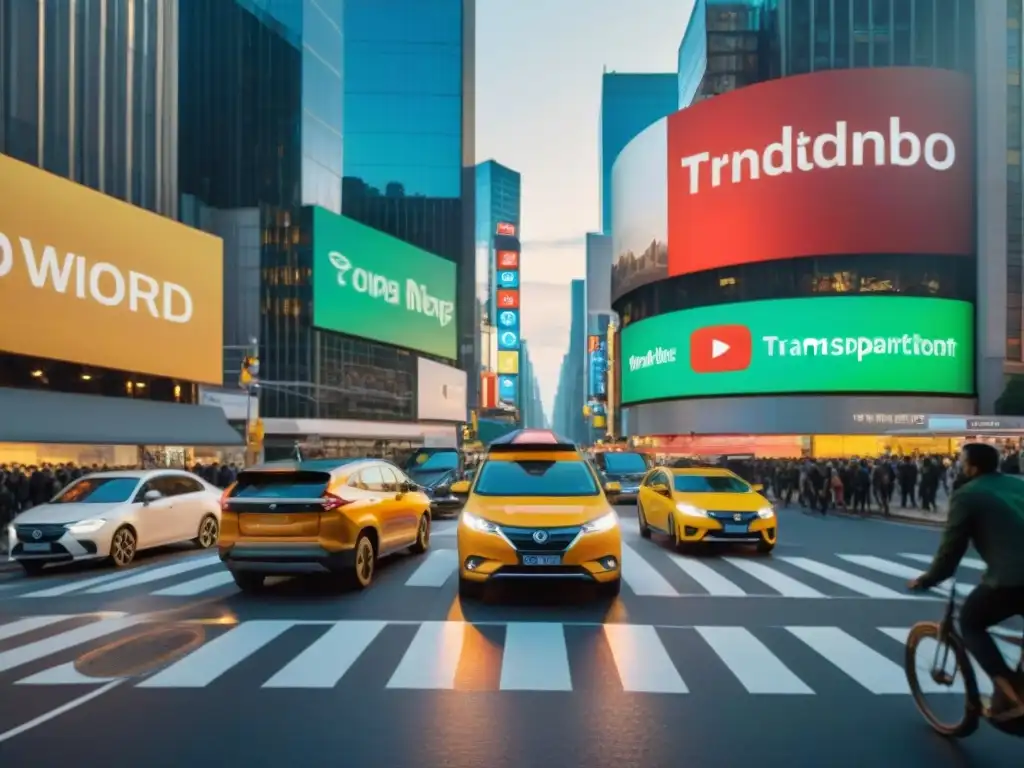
115, 514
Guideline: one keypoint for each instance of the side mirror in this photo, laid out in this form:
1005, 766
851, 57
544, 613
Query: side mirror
661, 489
461, 488
407, 487
757, 487
150, 496
613, 487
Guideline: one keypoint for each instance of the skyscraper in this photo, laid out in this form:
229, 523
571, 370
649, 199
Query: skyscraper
629, 103
571, 395
531, 411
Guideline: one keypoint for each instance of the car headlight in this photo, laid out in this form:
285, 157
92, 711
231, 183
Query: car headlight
478, 524
603, 523
765, 513
85, 526
689, 509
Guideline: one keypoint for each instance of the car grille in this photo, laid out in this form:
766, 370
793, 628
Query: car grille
730, 517
558, 538
47, 532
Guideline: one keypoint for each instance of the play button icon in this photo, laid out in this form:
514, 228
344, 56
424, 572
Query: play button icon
721, 349
718, 348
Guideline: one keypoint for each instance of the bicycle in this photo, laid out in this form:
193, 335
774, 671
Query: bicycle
948, 640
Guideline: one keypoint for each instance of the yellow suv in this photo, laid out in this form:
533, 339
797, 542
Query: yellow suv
329, 516
537, 509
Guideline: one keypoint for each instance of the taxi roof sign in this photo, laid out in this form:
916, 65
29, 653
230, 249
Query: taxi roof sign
531, 440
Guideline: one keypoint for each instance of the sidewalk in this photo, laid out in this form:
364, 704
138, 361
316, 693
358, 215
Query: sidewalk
936, 518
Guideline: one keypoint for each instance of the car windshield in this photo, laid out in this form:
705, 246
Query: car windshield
434, 462
619, 463
710, 484
98, 490
536, 478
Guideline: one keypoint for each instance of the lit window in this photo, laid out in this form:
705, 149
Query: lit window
1013, 157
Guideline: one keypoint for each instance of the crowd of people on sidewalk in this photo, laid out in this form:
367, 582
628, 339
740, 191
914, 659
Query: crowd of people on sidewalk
24, 487
861, 485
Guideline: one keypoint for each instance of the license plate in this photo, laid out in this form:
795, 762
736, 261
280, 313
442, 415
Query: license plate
735, 527
36, 547
542, 559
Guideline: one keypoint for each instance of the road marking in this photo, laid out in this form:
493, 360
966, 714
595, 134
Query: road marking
64, 674
31, 624
156, 574
327, 660
863, 664
213, 659
642, 661
851, 581
967, 562
26, 654
899, 570
754, 665
198, 586
74, 586
435, 570
54, 713
711, 580
535, 658
780, 582
432, 659
642, 577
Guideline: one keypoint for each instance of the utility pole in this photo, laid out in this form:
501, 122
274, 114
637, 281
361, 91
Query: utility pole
248, 380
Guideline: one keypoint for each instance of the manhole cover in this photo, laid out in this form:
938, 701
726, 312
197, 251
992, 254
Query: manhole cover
140, 653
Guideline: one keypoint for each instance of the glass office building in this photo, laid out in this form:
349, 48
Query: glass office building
571, 395
88, 91
409, 150
629, 103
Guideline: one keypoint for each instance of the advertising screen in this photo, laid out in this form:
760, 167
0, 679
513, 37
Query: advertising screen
508, 340
508, 363
369, 284
508, 389
857, 344
838, 162
92, 280
597, 360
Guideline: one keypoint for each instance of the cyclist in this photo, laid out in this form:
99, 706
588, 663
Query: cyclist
988, 512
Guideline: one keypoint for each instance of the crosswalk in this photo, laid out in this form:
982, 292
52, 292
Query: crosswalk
649, 570
499, 656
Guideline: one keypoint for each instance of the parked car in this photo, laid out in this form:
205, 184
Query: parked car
114, 515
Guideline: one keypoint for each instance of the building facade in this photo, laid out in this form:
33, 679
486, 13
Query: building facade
531, 411
629, 103
570, 397
498, 201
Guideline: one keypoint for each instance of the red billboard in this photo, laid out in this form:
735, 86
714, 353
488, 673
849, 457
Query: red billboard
839, 162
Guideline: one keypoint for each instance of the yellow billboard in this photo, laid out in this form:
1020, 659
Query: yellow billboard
89, 279
508, 362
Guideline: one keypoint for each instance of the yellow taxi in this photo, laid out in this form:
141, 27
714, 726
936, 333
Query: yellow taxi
536, 509
326, 516
705, 504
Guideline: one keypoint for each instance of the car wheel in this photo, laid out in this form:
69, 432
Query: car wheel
470, 590
123, 546
209, 530
765, 548
422, 543
31, 567
645, 529
610, 589
365, 562
248, 581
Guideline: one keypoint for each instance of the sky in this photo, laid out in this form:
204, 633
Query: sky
538, 100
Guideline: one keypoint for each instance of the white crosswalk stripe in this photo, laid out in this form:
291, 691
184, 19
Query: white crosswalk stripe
534, 656
968, 562
649, 570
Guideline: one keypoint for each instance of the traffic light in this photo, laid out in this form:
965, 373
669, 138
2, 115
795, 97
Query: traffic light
249, 371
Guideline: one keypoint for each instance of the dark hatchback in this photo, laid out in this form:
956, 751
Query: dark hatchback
625, 468
434, 470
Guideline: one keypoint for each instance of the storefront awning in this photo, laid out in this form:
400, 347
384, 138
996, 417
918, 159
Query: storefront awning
28, 416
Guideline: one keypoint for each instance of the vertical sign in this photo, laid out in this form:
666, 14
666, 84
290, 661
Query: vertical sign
507, 312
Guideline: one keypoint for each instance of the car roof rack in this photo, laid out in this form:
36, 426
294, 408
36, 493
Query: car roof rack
523, 440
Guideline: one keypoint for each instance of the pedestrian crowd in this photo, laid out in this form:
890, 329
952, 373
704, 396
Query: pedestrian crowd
23, 487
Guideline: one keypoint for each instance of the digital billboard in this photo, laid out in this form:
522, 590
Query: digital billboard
838, 162
92, 280
597, 361
369, 284
855, 344
506, 303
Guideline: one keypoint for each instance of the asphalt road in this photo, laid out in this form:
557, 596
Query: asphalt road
723, 659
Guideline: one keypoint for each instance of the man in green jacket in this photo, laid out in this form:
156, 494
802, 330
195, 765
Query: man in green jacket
988, 512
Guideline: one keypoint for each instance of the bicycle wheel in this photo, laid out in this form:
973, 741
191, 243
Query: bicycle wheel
969, 717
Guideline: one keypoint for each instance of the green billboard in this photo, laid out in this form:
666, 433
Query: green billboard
369, 284
862, 344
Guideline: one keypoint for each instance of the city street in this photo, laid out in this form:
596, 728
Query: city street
706, 660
